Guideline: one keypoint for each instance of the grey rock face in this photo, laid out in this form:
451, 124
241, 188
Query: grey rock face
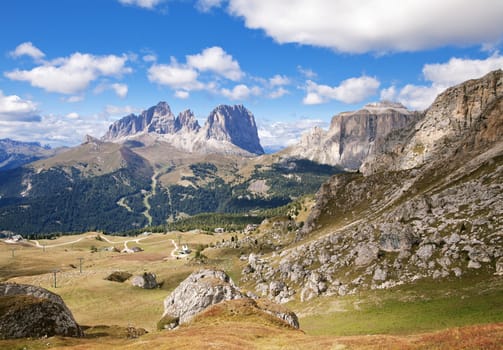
228, 129
197, 292
236, 125
145, 281
351, 136
465, 118
34, 312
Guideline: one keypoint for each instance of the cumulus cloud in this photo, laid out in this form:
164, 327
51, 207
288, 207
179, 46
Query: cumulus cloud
119, 111
307, 72
279, 80
27, 49
216, 60
73, 115
374, 26
241, 92
150, 58
175, 75
121, 90
208, 5
147, 4
353, 90
458, 70
73, 99
276, 135
182, 94
279, 92
56, 130
441, 76
70, 75
14, 108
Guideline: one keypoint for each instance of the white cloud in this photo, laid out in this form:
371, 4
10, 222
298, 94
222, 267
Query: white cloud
307, 72
241, 92
279, 80
208, 5
150, 58
175, 75
388, 94
70, 75
458, 70
73, 99
353, 90
216, 60
119, 111
280, 92
27, 49
14, 108
277, 135
120, 89
182, 94
441, 76
147, 4
374, 26
73, 115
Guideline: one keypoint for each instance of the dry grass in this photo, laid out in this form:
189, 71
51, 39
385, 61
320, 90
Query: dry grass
95, 302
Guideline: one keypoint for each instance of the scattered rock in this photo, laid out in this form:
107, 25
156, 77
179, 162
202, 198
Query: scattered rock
118, 276
146, 281
30, 311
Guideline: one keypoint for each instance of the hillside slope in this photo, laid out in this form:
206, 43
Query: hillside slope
428, 206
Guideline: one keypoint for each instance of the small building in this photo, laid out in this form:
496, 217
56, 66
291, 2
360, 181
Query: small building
14, 239
185, 249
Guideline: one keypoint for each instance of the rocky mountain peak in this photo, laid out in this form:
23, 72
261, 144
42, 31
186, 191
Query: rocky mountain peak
187, 121
234, 124
228, 129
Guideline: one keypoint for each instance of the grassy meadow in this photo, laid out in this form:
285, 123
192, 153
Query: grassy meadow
429, 314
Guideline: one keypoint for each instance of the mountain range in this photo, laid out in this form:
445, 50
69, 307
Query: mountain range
155, 168
228, 130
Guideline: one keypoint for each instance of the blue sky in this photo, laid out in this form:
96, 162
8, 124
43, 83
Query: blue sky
71, 67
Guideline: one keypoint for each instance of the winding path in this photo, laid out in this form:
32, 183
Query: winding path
173, 252
146, 199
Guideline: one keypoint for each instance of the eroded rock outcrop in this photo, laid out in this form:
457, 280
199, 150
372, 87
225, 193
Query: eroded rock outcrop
30, 311
209, 287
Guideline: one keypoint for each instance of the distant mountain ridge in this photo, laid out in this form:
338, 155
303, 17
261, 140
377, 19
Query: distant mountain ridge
14, 154
228, 129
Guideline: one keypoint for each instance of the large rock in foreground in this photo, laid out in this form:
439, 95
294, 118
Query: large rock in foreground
205, 288
29, 311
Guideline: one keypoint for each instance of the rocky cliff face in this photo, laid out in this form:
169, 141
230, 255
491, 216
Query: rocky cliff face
434, 217
352, 135
29, 311
228, 129
234, 124
464, 119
